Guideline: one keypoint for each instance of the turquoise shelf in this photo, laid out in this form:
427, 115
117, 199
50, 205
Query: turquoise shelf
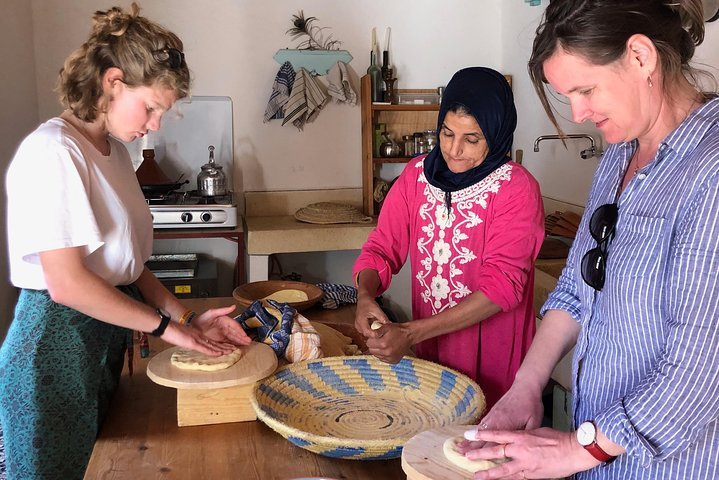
317, 62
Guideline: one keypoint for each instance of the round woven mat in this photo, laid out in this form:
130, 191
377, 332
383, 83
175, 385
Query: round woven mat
361, 408
328, 212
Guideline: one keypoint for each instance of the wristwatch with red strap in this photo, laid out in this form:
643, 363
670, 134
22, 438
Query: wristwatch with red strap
587, 437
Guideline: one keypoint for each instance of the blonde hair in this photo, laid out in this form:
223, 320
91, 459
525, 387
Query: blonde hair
135, 45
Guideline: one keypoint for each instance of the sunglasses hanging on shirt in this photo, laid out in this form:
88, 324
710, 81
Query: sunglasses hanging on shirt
601, 227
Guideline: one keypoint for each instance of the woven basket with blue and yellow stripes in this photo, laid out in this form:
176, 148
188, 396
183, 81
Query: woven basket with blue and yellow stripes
361, 408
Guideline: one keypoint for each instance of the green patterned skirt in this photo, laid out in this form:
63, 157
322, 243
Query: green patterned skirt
58, 371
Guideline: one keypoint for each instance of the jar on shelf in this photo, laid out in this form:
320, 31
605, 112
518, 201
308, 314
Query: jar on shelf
420, 143
418, 138
431, 138
408, 143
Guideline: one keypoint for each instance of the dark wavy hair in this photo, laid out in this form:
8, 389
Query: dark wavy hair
129, 42
598, 30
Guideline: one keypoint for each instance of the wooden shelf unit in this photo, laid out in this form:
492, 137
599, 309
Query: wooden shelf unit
399, 120
404, 119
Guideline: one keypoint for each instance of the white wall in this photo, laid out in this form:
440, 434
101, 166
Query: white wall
18, 116
229, 47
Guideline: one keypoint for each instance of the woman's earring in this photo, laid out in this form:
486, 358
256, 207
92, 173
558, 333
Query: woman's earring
649, 81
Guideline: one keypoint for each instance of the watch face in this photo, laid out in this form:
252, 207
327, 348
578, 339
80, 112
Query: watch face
586, 433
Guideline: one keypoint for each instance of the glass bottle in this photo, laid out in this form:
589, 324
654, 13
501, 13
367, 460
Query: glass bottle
419, 144
375, 76
386, 73
408, 145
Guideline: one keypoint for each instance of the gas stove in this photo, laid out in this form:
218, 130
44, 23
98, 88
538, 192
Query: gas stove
191, 210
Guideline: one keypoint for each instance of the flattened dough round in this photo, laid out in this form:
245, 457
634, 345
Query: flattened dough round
449, 448
288, 295
191, 360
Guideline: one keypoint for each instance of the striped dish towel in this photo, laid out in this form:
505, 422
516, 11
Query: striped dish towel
269, 323
281, 89
339, 86
304, 341
306, 100
337, 295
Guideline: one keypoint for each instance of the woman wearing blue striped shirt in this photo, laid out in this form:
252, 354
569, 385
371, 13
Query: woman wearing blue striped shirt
639, 298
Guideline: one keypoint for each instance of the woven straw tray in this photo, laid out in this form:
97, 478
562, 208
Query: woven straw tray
325, 213
361, 408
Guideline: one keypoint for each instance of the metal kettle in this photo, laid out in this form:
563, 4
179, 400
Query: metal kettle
211, 180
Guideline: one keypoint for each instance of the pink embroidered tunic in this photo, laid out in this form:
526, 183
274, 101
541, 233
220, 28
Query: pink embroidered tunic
488, 244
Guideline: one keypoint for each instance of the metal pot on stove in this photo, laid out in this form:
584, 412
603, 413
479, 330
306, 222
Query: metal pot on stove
211, 180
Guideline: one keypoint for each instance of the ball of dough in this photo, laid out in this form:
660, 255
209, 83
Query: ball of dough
449, 448
376, 325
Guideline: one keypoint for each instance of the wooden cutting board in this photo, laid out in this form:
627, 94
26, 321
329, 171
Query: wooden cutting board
423, 459
257, 362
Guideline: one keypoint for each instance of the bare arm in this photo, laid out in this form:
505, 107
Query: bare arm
70, 283
521, 406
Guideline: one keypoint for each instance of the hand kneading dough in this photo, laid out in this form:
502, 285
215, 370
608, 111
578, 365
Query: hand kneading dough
289, 295
450, 451
192, 360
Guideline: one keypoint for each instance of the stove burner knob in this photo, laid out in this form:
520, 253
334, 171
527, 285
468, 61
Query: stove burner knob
206, 216
186, 217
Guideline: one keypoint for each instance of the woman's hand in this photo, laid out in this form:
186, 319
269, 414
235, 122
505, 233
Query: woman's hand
387, 341
366, 313
390, 342
518, 409
193, 338
540, 453
216, 325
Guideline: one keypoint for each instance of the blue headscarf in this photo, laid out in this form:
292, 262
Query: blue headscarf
488, 96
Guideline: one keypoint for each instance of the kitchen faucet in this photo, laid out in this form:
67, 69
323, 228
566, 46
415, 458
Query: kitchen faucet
587, 153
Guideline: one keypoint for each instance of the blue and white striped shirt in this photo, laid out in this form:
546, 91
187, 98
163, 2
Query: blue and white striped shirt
646, 363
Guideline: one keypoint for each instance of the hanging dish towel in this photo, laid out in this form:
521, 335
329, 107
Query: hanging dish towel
306, 100
339, 86
304, 341
281, 89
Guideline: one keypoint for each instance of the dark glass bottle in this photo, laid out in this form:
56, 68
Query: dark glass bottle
375, 75
386, 72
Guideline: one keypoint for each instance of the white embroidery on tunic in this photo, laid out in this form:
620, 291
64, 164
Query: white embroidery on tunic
444, 249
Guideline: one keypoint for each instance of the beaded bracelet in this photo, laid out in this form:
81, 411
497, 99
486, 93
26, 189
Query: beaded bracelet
187, 317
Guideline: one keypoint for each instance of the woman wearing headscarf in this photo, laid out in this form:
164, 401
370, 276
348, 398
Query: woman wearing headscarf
472, 223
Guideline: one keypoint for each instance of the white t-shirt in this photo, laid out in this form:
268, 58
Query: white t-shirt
63, 193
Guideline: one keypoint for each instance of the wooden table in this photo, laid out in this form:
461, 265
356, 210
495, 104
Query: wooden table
141, 440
